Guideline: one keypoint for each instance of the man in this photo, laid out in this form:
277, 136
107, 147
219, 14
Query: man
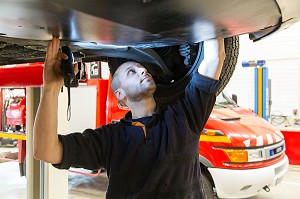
152, 152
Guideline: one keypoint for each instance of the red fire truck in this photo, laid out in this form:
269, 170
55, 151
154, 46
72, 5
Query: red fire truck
16, 114
13, 115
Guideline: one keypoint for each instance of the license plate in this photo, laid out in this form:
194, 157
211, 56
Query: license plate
276, 150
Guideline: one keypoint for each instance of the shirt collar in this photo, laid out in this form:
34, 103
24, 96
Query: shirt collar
127, 120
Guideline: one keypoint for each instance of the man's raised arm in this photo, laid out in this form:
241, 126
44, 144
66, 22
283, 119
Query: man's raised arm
46, 145
214, 55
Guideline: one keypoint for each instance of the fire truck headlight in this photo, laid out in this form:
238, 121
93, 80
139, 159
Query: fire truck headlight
237, 155
255, 155
244, 155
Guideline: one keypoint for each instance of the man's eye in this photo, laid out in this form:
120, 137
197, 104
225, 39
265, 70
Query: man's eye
131, 71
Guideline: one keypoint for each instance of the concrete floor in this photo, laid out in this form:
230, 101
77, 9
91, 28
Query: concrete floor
84, 187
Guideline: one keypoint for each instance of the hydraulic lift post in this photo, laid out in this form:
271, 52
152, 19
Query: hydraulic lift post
262, 91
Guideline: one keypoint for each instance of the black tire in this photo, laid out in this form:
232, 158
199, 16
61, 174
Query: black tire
166, 94
232, 53
18, 127
208, 187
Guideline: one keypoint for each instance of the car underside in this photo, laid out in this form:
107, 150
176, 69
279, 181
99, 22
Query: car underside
165, 35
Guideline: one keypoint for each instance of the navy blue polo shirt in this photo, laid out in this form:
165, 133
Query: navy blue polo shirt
152, 157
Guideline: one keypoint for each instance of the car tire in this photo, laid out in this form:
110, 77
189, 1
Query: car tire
232, 53
18, 128
166, 94
207, 187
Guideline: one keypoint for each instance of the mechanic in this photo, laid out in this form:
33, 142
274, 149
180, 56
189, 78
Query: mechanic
153, 151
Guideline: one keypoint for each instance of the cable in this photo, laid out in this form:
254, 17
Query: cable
69, 104
278, 118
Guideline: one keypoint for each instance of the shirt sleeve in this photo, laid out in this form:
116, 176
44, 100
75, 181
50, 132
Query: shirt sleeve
86, 150
195, 106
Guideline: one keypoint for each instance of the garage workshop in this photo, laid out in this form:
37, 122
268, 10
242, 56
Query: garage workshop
248, 147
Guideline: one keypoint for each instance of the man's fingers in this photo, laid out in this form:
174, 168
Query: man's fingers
61, 56
49, 50
52, 48
75, 66
56, 43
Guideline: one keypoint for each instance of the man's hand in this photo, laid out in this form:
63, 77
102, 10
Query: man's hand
214, 56
53, 76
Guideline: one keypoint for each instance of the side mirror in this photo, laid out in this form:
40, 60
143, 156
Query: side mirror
234, 98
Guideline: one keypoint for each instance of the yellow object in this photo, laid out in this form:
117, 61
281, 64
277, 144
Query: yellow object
237, 155
260, 91
17, 136
209, 138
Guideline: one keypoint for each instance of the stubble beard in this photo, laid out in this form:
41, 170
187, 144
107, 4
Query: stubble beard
138, 93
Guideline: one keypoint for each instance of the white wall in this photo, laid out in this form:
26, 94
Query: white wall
282, 54
83, 108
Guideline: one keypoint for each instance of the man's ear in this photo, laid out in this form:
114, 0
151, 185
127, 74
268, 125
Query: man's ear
120, 94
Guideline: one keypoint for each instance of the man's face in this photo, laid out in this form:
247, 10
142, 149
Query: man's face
135, 81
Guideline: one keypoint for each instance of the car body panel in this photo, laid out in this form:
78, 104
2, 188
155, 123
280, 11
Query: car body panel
125, 22
95, 24
248, 182
243, 127
100, 29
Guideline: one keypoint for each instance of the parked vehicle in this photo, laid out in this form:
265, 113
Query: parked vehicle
13, 114
16, 114
240, 152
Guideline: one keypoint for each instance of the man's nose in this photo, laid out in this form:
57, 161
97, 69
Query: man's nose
142, 70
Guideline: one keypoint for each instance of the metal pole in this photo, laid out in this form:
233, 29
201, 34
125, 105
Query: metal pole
32, 165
